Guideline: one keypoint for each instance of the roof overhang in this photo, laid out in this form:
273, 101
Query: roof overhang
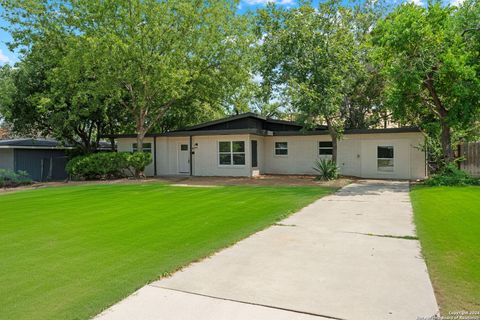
35, 147
196, 133
265, 132
349, 131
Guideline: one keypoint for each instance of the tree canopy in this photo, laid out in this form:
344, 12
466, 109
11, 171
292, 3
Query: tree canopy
153, 60
431, 68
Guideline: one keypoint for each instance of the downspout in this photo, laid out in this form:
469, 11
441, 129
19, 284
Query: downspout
191, 156
155, 156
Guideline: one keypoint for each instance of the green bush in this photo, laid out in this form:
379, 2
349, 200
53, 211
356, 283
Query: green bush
450, 175
138, 161
9, 178
108, 165
327, 169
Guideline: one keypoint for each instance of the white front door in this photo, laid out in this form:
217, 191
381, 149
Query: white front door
183, 158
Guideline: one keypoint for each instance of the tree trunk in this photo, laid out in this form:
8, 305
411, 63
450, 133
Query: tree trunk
446, 141
112, 144
334, 135
334, 148
141, 131
446, 132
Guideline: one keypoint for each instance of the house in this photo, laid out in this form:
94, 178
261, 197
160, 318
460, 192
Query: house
249, 145
43, 159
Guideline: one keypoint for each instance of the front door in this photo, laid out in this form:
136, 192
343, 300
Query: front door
183, 158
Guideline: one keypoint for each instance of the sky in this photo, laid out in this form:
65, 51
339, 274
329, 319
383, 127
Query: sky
6, 56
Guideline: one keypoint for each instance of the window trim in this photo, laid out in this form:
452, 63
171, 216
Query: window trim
393, 159
275, 149
232, 153
324, 148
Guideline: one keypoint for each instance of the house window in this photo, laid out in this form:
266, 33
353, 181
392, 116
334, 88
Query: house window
147, 147
231, 153
385, 158
281, 148
325, 148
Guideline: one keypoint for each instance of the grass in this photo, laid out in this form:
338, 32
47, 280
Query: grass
70, 252
448, 225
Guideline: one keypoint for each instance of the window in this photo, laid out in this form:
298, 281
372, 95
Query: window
281, 148
231, 153
147, 147
184, 147
325, 148
385, 158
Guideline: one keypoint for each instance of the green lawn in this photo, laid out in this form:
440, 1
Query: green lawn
448, 225
69, 252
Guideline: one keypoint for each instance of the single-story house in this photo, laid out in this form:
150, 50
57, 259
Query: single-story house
249, 145
43, 159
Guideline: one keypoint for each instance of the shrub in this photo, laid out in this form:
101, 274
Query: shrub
450, 175
103, 165
108, 165
327, 169
138, 161
9, 178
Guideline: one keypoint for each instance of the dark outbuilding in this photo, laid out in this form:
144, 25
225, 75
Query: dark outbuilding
43, 159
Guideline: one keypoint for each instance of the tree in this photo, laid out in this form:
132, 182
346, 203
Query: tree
156, 60
363, 106
50, 97
163, 55
308, 54
431, 70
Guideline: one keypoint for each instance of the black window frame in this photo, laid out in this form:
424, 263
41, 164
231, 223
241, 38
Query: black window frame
386, 157
231, 154
325, 150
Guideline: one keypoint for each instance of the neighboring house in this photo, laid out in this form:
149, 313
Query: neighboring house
42, 159
248, 145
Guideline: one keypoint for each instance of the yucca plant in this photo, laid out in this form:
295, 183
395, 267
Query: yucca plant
326, 168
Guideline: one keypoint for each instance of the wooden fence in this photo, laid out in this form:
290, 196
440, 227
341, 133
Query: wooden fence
471, 152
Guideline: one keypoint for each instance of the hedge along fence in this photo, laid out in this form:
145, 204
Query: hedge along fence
108, 165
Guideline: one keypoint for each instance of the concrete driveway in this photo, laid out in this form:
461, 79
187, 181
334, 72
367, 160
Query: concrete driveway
346, 256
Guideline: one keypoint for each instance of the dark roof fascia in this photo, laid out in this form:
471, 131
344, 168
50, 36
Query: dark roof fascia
348, 131
264, 132
216, 132
291, 123
223, 120
195, 133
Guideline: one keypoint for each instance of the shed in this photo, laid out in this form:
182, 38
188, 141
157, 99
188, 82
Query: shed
43, 159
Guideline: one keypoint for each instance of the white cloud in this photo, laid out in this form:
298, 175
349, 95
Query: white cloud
264, 2
417, 2
456, 3
3, 58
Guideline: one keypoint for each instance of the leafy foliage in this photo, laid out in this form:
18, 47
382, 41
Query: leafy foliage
451, 176
326, 168
318, 59
432, 68
105, 66
108, 165
9, 178
138, 161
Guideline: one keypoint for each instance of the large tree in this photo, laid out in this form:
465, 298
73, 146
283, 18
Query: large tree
157, 60
431, 68
308, 54
163, 55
